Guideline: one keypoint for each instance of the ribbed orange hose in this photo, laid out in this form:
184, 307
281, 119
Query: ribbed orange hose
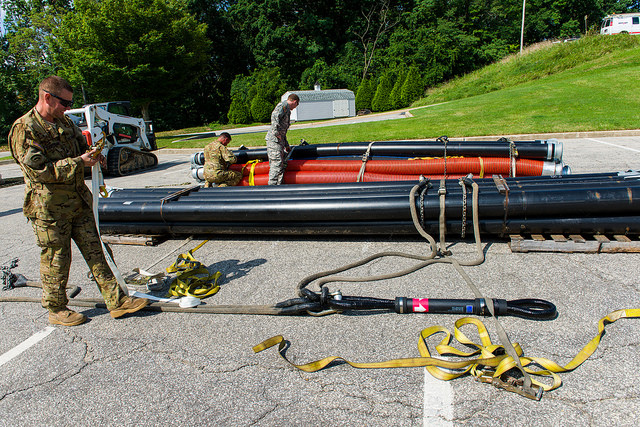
456, 165
302, 177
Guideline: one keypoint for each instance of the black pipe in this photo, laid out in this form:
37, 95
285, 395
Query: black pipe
521, 203
264, 193
543, 150
452, 184
625, 225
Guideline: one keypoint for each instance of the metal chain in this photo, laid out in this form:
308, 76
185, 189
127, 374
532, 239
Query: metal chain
512, 155
464, 208
444, 139
422, 193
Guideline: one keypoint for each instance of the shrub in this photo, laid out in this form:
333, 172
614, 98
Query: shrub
381, 100
238, 111
364, 95
413, 86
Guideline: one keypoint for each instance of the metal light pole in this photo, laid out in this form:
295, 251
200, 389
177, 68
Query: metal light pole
524, 3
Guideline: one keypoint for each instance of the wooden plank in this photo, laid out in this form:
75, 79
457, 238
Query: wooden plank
537, 243
130, 239
575, 243
621, 244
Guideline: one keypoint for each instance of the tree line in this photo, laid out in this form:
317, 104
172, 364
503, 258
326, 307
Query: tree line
192, 62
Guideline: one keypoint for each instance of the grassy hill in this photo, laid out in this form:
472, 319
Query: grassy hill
585, 85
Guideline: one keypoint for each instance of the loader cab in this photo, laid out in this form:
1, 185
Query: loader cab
124, 133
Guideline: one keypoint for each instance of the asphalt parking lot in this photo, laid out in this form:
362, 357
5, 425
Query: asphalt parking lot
199, 369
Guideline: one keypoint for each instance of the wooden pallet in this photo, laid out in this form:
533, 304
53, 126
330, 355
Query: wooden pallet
132, 239
574, 243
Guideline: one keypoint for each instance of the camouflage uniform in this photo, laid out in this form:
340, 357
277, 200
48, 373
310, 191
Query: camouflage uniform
277, 142
217, 159
58, 204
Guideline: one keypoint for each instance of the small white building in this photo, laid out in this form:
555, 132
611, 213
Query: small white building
320, 104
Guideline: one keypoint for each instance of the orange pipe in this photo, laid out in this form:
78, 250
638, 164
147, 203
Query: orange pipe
303, 177
456, 165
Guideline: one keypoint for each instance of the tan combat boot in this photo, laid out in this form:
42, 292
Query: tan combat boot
129, 305
66, 317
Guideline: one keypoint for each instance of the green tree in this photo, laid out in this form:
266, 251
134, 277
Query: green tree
395, 97
365, 93
239, 112
10, 108
261, 107
28, 56
412, 88
381, 101
142, 50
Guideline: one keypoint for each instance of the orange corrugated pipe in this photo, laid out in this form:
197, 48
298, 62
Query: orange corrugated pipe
456, 165
323, 177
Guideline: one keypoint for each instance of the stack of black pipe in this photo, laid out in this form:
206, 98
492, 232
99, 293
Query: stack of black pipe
590, 203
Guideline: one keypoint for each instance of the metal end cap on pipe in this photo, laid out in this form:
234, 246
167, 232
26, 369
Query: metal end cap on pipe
558, 149
553, 169
198, 174
197, 158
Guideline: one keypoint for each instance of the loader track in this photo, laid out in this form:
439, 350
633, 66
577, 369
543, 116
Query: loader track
126, 161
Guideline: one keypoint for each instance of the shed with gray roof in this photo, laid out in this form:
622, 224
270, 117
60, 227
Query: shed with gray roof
323, 104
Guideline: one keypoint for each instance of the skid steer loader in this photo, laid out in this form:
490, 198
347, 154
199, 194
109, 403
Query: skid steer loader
128, 141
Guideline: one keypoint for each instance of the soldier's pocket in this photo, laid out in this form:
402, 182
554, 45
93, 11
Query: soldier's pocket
51, 233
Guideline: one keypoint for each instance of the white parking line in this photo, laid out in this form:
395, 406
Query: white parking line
615, 145
24, 345
438, 402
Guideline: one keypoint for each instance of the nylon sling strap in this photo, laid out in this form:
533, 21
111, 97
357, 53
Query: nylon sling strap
96, 179
193, 278
488, 367
252, 164
365, 159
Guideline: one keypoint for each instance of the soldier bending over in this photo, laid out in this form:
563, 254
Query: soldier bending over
217, 159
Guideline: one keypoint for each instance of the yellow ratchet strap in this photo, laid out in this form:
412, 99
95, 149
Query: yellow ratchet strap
253, 164
489, 367
434, 158
193, 278
481, 168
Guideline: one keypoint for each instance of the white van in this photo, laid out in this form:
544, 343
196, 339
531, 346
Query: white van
628, 23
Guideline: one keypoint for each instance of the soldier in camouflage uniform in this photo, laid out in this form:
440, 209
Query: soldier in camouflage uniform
52, 154
217, 159
277, 144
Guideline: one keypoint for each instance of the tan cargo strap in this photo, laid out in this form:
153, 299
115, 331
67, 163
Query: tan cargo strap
365, 159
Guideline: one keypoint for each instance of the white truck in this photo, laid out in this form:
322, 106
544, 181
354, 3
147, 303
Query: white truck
623, 23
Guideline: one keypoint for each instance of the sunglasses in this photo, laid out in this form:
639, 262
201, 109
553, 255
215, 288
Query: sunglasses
64, 102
